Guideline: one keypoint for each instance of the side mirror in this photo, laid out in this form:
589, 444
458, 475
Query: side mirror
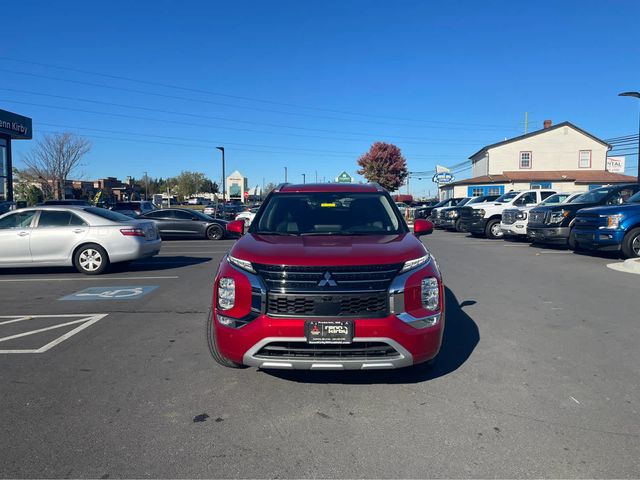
237, 226
422, 227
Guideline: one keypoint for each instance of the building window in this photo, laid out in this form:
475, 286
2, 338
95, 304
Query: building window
485, 190
525, 159
584, 160
540, 185
476, 192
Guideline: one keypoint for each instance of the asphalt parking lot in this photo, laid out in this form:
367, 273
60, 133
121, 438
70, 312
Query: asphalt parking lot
538, 377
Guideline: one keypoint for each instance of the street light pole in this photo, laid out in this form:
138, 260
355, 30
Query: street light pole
285, 174
637, 95
146, 186
304, 178
224, 180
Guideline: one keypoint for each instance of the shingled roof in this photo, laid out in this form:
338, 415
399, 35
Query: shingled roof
577, 176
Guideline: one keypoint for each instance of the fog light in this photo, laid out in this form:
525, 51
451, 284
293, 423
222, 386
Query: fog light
430, 293
226, 321
226, 293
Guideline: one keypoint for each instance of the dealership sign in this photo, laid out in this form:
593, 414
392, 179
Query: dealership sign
615, 164
15, 126
443, 178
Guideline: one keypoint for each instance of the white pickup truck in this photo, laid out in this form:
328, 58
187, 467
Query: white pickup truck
515, 220
484, 218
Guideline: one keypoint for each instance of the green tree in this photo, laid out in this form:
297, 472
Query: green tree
209, 186
384, 164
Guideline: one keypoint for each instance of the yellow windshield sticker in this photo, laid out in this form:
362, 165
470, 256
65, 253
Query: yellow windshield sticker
327, 204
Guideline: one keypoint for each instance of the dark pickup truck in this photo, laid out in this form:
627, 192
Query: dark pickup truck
555, 224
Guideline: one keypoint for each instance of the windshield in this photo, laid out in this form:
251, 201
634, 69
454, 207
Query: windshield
477, 200
507, 197
594, 196
555, 199
634, 198
462, 202
327, 213
200, 215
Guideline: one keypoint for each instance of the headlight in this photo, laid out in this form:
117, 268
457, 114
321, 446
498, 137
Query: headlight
521, 216
480, 212
613, 221
226, 293
243, 264
558, 217
430, 294
411, 264
452, 214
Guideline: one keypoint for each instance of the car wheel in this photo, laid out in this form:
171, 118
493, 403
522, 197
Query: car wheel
91, 259
631, 244
215, 233
213, 346
493, 229
572, 242
458, 227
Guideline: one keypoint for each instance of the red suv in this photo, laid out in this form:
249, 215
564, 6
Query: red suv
328, 276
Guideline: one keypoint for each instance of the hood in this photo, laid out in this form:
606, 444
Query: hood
314, 250
572, 207
611, 209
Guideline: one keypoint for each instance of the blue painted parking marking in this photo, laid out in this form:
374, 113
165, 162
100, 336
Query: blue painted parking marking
112, 293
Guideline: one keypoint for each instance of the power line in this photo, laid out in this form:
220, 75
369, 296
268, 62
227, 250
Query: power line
237, 97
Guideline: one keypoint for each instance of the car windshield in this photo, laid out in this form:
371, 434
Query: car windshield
107, 214
507, 197
477, 200
555, 199
594, 196
634, 198
462, 202
200, 215
328, 213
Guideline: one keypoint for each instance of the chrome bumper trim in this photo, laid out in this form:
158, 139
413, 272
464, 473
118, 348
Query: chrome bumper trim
405, 358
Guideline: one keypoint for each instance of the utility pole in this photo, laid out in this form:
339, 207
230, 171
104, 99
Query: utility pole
224, 180
637, 95
285, 174
146, 186
304, 178
316, 176
526, 122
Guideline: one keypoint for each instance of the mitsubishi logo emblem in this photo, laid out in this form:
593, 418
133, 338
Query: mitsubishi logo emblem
327, 281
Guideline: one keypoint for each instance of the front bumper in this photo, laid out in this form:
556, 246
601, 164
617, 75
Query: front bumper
599, 239
476, 226
519, 227
549, 234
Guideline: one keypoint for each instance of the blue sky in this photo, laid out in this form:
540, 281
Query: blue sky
311, 84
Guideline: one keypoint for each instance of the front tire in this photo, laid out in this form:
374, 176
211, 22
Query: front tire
631, 244
493, 230
91, 259
572, 243
213, 346
215, 233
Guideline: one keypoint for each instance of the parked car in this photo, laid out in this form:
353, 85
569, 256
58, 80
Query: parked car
133, 208
180, 222
402, 207
226, 211
248, 215
555, 224
450, 216
425, 212
70, 201
484, 219
7, 206
450, 202
611, 228
89, 238
327, 277
515, 220
438, 215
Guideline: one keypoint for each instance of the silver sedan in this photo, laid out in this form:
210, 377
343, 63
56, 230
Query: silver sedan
88, 238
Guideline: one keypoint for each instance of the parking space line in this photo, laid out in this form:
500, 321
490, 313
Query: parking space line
85, 279
14, 320
40, 330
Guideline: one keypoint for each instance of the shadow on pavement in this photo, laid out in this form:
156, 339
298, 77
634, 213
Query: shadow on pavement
461, 335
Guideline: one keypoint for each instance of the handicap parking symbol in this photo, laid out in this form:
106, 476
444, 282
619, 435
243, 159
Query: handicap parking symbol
112, 293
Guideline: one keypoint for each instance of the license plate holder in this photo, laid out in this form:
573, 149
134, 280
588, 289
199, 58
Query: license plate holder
329, 331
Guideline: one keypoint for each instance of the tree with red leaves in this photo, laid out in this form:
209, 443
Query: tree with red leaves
384, 164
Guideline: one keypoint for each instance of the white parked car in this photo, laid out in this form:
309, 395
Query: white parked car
515, 220
247, 216
89, 238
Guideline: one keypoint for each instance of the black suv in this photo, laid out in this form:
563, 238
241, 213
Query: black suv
554, 224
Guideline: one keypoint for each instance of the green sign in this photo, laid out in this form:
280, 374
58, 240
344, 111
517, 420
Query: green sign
344, 177
14, 125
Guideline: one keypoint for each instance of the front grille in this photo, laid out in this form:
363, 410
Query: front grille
509, 217
356, 350
340, 305
590, 220
466, 213
536, 218
296, 279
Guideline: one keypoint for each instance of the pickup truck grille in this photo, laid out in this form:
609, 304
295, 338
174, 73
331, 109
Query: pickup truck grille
333, 279
590, 220
509, 216
537, 218
340, 305
355, 350
467, 213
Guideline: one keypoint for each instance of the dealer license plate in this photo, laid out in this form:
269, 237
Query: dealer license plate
329, 331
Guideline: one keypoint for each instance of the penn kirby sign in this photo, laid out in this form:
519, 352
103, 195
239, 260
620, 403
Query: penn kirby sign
443, 178
15, 126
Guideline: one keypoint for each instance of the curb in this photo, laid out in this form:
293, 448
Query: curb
631, 265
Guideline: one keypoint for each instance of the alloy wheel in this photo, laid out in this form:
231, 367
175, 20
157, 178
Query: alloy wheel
90, 260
